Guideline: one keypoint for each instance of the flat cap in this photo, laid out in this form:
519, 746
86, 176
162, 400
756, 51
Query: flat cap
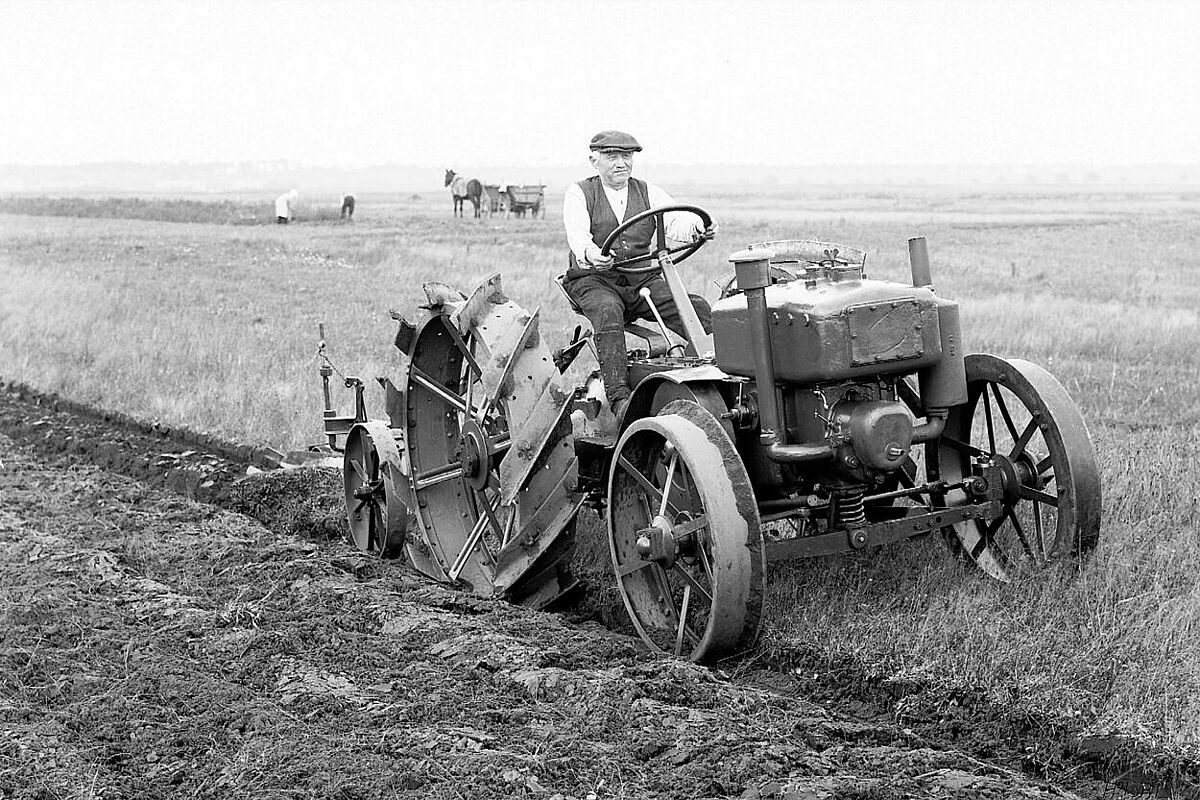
615, 140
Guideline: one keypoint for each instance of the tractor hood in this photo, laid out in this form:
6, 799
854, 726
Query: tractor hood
832, 324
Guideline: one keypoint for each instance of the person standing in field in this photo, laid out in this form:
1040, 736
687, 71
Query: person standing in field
348, 206
592, 209
283, 207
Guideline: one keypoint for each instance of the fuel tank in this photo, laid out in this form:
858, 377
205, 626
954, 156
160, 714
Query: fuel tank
833, 324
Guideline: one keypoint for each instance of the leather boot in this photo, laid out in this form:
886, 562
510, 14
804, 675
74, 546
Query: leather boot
614, 366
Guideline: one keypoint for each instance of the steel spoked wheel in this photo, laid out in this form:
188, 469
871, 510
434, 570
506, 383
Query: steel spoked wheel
493, 465
457, 438
684, 535
372, 474
1019, 417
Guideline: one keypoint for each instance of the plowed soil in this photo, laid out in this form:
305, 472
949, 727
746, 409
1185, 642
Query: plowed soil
155, 646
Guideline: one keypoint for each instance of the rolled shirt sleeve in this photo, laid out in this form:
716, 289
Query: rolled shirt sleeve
577, 221
682, 226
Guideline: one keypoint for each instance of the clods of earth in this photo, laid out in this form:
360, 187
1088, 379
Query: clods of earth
154, 646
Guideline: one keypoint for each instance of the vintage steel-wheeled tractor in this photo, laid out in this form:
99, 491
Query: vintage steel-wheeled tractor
825, 413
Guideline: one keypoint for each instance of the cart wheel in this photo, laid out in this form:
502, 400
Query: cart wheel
1018, 415
377, 514
684, 535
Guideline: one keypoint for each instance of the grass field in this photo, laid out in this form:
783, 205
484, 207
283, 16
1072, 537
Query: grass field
215, 326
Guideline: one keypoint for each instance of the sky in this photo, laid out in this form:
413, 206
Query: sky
352, 84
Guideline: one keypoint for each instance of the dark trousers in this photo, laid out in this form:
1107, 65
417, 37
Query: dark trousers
610, 301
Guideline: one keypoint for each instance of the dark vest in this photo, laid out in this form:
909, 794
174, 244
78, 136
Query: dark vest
634, 242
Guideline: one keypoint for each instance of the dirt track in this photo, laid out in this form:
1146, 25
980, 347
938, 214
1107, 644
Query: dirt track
153, 646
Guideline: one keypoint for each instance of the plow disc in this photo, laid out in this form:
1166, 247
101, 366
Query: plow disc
485, 445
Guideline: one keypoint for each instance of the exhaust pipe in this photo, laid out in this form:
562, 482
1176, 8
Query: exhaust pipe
918, 261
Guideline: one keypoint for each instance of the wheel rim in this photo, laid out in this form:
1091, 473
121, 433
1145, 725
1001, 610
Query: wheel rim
377, 517
1021, 418
684, 535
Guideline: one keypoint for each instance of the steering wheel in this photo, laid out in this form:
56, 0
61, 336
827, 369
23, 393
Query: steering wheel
660, 229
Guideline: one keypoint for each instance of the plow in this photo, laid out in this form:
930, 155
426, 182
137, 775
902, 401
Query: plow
825, 412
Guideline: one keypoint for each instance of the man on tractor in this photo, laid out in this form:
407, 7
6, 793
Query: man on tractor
593, 209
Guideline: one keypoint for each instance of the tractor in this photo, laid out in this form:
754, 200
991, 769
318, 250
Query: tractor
825, 413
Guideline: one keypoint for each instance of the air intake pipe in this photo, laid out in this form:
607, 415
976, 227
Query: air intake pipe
752, 269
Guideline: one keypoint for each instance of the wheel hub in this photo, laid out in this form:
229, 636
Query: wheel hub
473, 455
1016, 473
657, 542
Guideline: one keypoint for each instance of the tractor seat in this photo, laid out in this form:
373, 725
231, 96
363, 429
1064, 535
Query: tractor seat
656, 343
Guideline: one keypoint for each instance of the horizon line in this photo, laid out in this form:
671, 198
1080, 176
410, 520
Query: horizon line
294, 164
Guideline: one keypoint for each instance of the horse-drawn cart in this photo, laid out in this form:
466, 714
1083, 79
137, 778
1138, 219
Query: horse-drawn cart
514, 199
527, 198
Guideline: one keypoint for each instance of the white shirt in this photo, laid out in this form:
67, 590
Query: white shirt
282, 204
682, 226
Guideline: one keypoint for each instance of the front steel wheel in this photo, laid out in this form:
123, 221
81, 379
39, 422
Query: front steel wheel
684, 535
1019, 417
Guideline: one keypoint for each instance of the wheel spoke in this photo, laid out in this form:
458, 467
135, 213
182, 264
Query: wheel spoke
987, 536
664, 588
1012, 517
693, 524
1045, 464
358, 469
1029, 493
632, 567
461, 344
679, 632
669, 483
987, 413
1023, 439
433, 477
489, 513
691, 582
651, 492
473, 539
508, 527
422, 379
372, 527
1037, 527
499, 444
1008, 423
469, 394
962, 447
706, 564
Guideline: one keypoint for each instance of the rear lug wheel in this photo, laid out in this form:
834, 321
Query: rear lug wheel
493, 463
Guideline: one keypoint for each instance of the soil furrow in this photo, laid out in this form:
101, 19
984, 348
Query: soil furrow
166, 647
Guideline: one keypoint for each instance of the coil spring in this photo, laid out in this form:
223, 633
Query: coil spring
849, 505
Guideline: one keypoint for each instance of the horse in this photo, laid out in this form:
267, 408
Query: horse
463, 189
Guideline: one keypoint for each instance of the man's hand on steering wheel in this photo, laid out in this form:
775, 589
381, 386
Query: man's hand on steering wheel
595, 259
659, 245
